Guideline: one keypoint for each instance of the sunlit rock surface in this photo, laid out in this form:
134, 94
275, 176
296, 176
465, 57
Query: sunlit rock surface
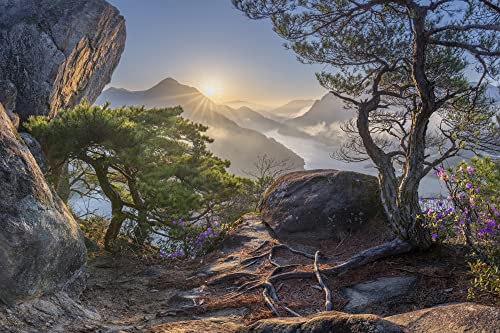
56, 52
459, 317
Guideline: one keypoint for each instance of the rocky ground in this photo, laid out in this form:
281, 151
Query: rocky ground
141, 294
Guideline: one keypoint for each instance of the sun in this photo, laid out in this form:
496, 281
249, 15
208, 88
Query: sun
209, 90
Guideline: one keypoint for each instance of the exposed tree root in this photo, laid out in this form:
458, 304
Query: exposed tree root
261, 246
232, 276
328, 293
267, 299
270, 297
279, 273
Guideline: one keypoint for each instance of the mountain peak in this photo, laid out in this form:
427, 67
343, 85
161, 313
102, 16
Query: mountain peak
171, 87
167, 82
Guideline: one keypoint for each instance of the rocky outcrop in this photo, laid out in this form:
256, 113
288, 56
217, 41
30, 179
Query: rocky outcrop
55, 313
332, 321
324, 204
56, 52
460, 317
41, 245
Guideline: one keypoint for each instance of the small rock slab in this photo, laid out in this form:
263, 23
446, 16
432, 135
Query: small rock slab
370, 296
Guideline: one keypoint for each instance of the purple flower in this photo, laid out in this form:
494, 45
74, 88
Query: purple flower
470, 169
468, 185
434, 236
490, 223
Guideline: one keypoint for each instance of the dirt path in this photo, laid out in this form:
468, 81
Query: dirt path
174, 296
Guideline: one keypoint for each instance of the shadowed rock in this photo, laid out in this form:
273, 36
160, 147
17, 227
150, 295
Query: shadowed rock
56, 52
41, 246
323, 204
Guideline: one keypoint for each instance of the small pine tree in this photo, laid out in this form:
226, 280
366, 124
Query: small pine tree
151, 164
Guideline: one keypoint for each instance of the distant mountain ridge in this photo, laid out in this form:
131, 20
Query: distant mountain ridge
233, 141
292, 109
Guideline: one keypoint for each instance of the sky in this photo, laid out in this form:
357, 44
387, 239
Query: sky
210, 45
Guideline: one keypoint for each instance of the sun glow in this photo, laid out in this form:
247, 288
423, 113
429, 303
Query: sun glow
209, 90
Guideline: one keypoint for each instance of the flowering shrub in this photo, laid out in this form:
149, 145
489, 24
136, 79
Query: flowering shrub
191, 240
485, 278
471, 212
439, 214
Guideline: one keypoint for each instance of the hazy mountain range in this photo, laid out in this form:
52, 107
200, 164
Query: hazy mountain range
239, 144
242, 129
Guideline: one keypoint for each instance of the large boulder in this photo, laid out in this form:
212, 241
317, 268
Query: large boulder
326, 322
56, 52
41, 245
324, 204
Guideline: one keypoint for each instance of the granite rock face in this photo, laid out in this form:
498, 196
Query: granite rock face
323, 204
41, 246
56, 52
